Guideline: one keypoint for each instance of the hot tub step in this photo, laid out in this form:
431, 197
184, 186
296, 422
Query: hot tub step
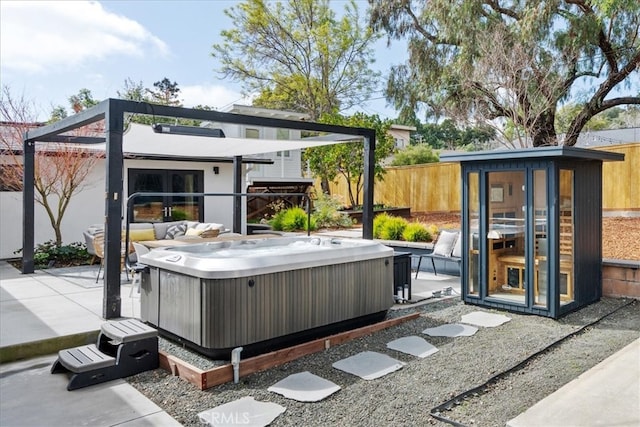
124, 348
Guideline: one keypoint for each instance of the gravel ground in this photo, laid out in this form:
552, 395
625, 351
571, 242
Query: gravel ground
407, 397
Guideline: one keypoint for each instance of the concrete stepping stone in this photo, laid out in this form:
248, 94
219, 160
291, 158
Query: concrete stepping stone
246, 412
304, 387
413, 345
369, 365
451, 330
487, 320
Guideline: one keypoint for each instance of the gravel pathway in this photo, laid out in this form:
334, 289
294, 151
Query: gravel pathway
408, 396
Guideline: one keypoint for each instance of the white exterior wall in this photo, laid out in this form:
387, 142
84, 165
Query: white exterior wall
88, 206
85, 208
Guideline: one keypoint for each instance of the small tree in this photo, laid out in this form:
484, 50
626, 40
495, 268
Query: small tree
329, 161
60, 173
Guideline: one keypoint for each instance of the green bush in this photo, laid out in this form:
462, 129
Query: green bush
378, 224
416, 232
326, 212
393, 228
415, 155
178, 214
293, 219
276, 221
72, 254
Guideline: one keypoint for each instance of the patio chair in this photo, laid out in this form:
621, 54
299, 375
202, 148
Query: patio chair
98, 245
88, 240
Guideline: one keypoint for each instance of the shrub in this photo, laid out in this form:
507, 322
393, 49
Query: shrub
433, 230
416, 232
72, 254
378, 224
393, 228
292, 219
415, 155
326, 212
276, 221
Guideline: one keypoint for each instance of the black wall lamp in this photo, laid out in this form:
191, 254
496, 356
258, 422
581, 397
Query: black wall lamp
187, 130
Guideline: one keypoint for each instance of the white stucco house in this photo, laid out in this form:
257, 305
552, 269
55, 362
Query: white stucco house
166, 163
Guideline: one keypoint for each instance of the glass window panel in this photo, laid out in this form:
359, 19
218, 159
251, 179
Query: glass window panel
540, 232
282, 134
506, 239
473, 214
566, 236
251, 133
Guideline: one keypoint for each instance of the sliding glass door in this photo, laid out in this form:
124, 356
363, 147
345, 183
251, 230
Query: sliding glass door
166, 207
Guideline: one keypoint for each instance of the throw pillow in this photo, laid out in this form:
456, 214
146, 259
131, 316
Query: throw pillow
445, 243
176, 231
193, 232
142, 234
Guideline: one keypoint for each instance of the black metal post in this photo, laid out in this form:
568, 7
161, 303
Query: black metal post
114, 121
237, 200
369, 179
28, 212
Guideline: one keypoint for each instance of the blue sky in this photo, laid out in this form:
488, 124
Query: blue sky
50, 50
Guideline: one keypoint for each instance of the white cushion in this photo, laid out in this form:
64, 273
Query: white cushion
457, 249
445, 243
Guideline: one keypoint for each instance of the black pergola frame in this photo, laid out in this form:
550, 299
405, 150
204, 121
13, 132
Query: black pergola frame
113, 112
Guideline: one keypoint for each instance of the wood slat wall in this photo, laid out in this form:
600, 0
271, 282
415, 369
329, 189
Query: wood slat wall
436, 187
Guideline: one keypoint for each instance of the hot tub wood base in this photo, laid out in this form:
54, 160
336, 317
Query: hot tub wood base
273, 344
205, 379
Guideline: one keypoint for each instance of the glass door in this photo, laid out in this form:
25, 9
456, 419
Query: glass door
506, 236
167, 207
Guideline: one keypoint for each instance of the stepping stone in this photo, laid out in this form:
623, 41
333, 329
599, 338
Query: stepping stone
413, 345
451, 330
304, 387
246, 411
488, 320
369, 365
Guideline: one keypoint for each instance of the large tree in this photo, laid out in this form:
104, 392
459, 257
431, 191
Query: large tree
298, 55
514, 62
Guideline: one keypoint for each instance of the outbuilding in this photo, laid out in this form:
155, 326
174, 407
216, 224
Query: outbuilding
532, 228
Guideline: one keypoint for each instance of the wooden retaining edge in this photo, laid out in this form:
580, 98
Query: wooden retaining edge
204, 379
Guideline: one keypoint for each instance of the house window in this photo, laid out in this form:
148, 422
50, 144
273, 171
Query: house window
282, 134
251, 133
10, 178
287, 153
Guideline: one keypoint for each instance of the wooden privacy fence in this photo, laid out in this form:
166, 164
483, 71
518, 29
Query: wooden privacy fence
436, 187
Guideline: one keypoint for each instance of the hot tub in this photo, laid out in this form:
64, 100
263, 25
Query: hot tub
264, 294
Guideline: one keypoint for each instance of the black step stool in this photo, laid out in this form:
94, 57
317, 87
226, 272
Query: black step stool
124, 348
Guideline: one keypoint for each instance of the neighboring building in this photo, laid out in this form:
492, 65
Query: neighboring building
401, 135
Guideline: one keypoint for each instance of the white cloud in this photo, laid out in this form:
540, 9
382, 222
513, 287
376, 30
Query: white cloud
215, 96
38, 36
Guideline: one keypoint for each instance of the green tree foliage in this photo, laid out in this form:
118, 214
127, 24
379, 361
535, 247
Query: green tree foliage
133, 91
82, 100
329, 161
164, 92
614, 118
298, 55
513, 62
415, 155
448, 136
